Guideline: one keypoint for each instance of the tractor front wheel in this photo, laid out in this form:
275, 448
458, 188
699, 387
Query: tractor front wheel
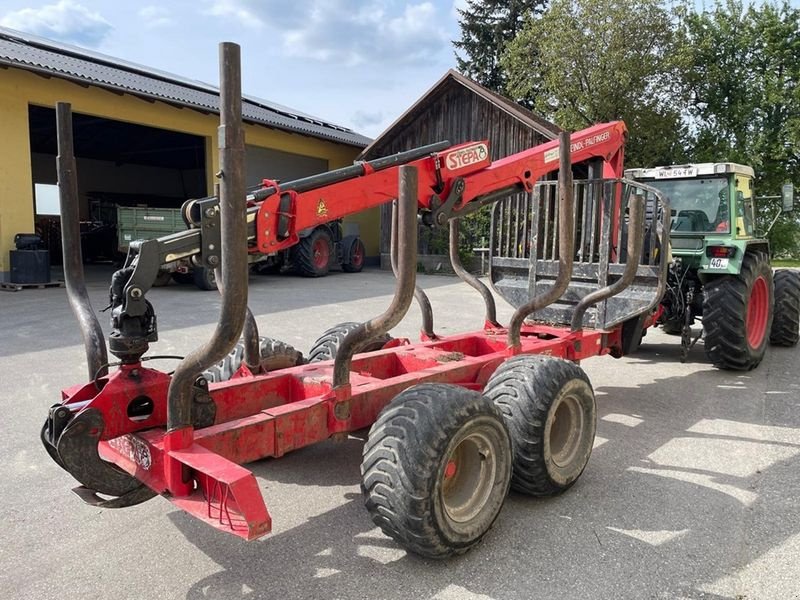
737, 315
312, 255
549, 407
786, 322
436, 469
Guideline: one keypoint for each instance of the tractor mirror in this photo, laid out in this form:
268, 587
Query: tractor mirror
787, 196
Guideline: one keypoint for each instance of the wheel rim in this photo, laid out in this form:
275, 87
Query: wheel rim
757, 313
321, 253
358, 255
566, 429
468, 477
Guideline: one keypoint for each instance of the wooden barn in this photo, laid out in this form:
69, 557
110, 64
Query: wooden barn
458, 110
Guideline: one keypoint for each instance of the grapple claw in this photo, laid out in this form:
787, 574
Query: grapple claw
135, 496
76, 448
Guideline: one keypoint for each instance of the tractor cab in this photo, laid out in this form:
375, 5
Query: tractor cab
712, 213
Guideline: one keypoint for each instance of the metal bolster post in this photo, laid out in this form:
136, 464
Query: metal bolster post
93, 340
469, 278
419, 294
566, 246
406, 278
233, 268
634, 249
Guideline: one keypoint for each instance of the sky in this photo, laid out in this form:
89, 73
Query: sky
359, 64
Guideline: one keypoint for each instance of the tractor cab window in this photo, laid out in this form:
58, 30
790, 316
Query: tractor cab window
699, 205
745, 219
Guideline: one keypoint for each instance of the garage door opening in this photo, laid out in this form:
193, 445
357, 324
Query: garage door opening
118, 164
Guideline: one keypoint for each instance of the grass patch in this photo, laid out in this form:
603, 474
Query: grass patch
786, 262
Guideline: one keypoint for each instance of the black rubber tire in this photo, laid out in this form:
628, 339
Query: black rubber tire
327, 345
303, 256
786, 316
204, 279
408, 486
673, 327
183, 278
274, 355
725, 307
531, 391
355, 256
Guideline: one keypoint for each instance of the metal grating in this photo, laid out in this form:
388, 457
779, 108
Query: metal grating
524, 253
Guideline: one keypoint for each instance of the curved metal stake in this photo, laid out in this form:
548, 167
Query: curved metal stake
93, 340
634, 248
233, 249
404, 288
419, 294
469, 278
566, 246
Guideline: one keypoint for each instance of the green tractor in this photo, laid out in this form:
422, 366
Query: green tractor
720, 270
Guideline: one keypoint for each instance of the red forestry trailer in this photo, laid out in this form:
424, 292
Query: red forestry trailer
455, 420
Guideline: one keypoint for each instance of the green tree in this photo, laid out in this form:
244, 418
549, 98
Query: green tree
487, 26
589, 61
744, 98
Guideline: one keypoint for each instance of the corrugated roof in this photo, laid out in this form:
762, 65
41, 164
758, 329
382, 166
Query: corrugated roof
44, 56
544, 127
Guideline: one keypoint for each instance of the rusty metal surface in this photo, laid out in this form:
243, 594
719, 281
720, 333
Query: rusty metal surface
566, 246
93, 340
490, 315
406, 278
635, 243
424, 303
234, 247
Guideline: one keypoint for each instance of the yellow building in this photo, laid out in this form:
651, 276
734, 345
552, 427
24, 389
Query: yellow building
141, 137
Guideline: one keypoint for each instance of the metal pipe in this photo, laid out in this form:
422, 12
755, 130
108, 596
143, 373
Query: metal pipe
469, 278
404, 287
233, 268
93, 340
419, 294
566, 246
634, 249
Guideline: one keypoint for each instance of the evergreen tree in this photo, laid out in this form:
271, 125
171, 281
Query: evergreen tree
487, 26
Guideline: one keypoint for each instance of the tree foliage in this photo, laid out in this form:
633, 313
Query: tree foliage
692, 84
744, 98
487, 26
589, 61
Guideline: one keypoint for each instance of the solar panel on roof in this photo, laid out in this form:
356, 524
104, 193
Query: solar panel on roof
41, 55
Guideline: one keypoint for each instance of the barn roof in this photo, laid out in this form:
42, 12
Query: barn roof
54, 59
454, 78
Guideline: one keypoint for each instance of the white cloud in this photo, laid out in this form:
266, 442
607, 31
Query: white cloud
65, 20
364, 118
239, 10
155, 16
335, 31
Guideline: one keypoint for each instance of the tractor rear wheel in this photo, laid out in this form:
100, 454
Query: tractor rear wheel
312, 255
436, 469
786, 322
550, 410
327, 345
737, 315
274, 355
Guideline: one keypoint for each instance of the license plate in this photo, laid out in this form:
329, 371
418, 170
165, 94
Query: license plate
719, 263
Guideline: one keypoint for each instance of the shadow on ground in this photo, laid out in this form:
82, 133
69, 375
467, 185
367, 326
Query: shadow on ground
683, 497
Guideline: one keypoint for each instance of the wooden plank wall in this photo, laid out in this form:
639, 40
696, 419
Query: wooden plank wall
458, 115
